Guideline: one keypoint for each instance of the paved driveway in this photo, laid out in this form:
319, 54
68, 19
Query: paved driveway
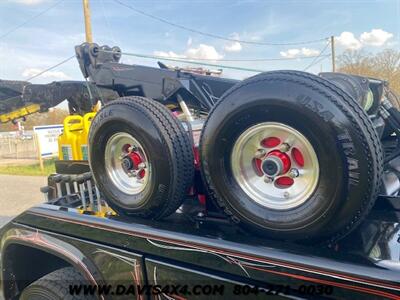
18, 193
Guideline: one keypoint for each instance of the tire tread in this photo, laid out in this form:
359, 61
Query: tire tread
347, 105
177, 139
55, 282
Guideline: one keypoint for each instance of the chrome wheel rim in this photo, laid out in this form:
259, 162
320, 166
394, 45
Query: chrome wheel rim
121, 150
269, 154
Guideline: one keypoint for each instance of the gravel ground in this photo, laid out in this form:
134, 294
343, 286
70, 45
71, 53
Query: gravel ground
18, 193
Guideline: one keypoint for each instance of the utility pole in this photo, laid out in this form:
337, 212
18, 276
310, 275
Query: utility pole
333, 53
88, 25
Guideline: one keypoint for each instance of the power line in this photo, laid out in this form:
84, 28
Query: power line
187, 61
199, 61
316, 59
42, 72
51, 68
29, 20
243, 60
321, 59
215, 36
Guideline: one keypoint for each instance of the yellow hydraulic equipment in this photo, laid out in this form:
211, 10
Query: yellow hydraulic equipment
19, 113
83, 138
68, 141
106, 211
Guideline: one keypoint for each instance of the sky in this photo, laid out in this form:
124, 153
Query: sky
42, 42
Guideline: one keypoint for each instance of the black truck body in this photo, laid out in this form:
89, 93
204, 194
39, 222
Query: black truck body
196, 260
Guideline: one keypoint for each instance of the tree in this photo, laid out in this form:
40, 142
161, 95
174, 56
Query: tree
384, 65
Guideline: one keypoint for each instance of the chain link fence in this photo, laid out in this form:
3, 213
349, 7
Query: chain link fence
18, 146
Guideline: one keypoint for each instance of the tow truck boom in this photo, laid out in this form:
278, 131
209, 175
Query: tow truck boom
21, 98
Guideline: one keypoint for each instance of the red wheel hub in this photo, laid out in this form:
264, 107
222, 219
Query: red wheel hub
273, 164
135, 158
282, 159
276, 164
131, 162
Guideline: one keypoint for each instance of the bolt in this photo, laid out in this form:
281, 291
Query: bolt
140, 180
130, 149
284, 147
268, 179
293, 173
141, 165
286, 195
260, 153
132, 173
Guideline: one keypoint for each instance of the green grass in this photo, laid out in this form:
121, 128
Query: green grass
30, 170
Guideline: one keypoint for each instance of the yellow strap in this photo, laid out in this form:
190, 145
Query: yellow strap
19, 113
102, 214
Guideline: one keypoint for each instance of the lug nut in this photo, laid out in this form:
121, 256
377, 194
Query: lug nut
132, 173
286, 195
142, 165
284, 147
130, 149
293, 173
268, 179
260, 153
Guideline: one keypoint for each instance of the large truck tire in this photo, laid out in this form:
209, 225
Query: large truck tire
55, 286
141, 157
291, 156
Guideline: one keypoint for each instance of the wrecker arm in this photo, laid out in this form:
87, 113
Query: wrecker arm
21, 98
108, 79
101, 65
